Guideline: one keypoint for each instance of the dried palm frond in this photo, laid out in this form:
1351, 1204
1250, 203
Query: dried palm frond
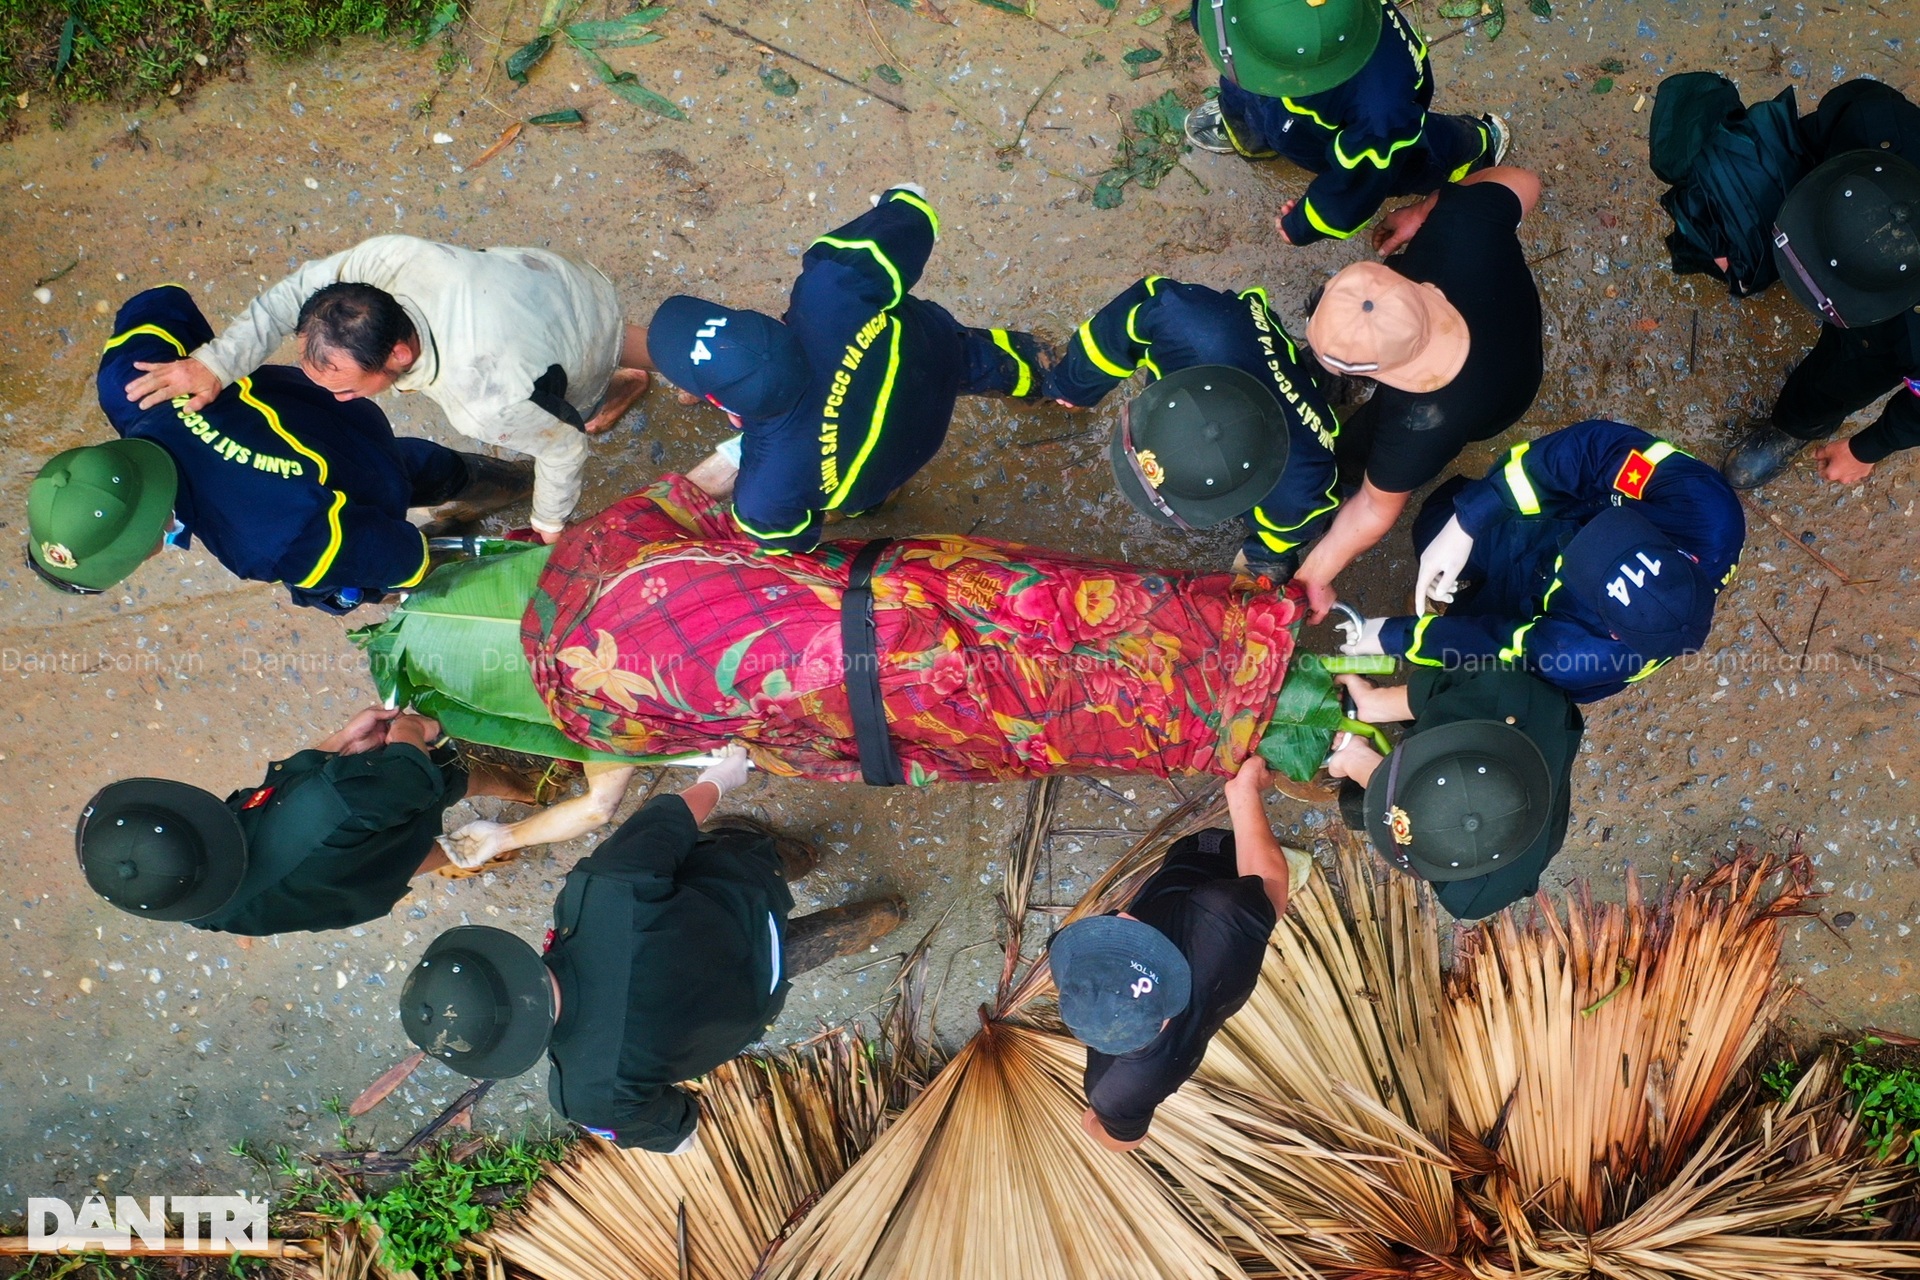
1023, 862
774, 1133
987, 1175
1599, 1047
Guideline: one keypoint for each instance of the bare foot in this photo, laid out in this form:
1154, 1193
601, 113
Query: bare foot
627, 386
687, 397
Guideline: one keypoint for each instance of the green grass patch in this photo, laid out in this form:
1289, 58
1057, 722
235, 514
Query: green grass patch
1885, 1096
88, 50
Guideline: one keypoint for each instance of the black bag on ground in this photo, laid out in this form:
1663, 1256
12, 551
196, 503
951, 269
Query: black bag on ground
1728, 167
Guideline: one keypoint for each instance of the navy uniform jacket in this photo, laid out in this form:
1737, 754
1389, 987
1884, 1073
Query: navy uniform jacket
1161, 325
885, 369
1524, 511
280, 480
1353, 135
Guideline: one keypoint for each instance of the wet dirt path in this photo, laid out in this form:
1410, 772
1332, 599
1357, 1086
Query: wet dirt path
136, 1054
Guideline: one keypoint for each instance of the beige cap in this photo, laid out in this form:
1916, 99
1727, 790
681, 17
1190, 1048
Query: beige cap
1375, 323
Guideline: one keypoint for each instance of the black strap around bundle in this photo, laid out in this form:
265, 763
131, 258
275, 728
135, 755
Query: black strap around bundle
859, 643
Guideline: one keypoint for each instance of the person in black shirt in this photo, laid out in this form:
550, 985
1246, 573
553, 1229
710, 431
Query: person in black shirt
329, 838
670, 953
1146, 988
1457, 360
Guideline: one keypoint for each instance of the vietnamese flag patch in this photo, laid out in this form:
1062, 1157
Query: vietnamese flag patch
1634, 474
258, 798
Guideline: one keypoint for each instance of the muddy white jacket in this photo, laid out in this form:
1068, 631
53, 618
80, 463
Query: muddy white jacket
517, 345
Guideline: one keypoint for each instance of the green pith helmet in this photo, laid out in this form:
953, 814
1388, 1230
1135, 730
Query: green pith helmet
1200, 447
94, 513
1289, 48
161, 849
1459, 800
1847, 239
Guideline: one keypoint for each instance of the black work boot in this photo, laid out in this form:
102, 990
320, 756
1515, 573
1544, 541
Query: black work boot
797, 857
1762, 454
839, 931
491, 485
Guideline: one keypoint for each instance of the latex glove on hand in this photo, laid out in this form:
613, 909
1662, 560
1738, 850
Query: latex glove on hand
1440, 566
1367, 642
476, 844
728, 772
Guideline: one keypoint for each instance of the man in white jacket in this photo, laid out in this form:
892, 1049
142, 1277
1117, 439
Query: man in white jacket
520, 347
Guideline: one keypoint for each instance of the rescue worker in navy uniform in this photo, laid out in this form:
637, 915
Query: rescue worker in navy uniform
847, 395
1341, 88
1476, 796
671, 952
1847, 242
1193, 449
281, 482
1590, 558
329, 839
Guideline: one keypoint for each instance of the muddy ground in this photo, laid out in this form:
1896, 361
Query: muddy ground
136, 1054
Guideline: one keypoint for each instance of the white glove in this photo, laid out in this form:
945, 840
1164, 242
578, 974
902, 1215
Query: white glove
1368, 641
476, 844
1440, 566
914, 187
687, 1143
729, 450
727, 772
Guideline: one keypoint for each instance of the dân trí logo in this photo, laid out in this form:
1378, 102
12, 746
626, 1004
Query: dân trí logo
232, 1224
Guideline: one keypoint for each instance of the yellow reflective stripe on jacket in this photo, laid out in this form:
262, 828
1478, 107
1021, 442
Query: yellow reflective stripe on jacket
1024, 383
1132, 313
273, 420
1420, 634
426, 562
1320, 224
1517, 645
1648, 670
1095, 354
1309, 113
770, 533
1554, 586
153, 329
1274, 540
1153, 285
886, 263
1517, 483
1375, 158
1659, 451
907, 197
333, 543
880, 403
1152, 368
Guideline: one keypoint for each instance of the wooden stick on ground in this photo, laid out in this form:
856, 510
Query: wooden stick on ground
784, 52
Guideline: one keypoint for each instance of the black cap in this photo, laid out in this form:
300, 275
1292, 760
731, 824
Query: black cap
1119, 980
161, 849
1200, 447
749, 362
1847, 239
480, 1001
1650, 593
1459, 800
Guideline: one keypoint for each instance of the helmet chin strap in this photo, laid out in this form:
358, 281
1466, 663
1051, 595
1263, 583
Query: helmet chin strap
1220, 38
1822, 303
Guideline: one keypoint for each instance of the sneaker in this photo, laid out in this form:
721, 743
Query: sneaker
1207, 129
797, 857
1499, 137
813, 940
1762, 454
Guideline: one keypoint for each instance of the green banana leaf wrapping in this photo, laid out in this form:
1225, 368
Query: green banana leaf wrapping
1308, 713
452, 651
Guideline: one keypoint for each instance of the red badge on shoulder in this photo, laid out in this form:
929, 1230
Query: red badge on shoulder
1634, 474
258, 798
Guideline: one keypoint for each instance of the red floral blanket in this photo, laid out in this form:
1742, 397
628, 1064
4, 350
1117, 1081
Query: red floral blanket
658, 627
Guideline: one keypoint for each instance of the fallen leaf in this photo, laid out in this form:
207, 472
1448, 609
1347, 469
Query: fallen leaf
1647, 324
779, 82
501, 144
526, 56
550, 118
390, 1079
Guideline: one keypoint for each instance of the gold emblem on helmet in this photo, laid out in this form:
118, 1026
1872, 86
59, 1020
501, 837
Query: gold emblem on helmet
58, 556
1400, 825
1150, 468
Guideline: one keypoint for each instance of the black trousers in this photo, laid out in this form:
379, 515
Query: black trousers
1847, 370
